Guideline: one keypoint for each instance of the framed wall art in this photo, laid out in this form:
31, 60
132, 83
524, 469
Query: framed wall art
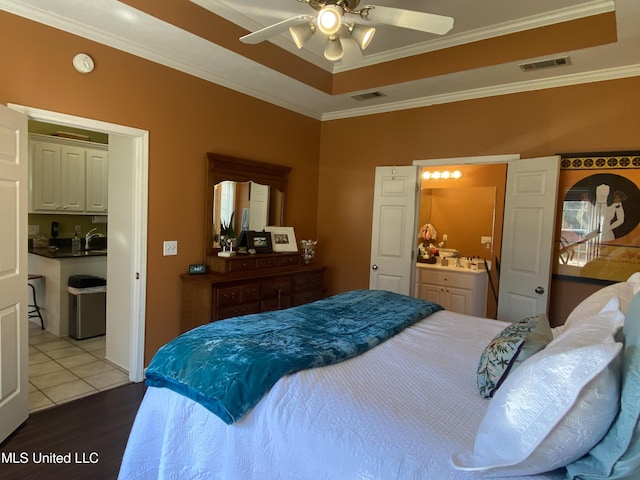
283, 239
598, 227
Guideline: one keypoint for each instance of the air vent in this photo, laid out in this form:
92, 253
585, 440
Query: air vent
368, 96
554, 62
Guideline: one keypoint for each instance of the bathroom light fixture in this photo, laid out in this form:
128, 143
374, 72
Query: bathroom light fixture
444, 175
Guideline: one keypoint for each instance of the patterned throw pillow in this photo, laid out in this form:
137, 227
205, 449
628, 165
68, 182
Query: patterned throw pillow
509, 349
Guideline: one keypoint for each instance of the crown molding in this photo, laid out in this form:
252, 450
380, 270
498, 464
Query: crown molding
493, 91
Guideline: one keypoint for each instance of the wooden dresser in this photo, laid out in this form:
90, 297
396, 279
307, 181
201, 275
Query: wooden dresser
250, 284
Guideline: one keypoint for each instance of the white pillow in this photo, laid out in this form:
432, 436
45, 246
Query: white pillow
553, 409
634, 281
594, 302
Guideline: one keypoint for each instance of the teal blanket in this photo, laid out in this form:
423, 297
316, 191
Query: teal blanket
227, 366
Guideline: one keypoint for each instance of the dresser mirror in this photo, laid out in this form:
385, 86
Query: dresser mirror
254, 192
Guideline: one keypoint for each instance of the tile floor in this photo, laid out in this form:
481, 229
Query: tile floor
63, 369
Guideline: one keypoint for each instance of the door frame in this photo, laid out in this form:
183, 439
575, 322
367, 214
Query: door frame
473, 160
138, 242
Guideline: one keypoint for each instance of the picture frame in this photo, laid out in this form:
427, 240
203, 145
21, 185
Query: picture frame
283, 239
598, 225
259, 241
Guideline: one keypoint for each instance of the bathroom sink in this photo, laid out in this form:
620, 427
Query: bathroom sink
448, 252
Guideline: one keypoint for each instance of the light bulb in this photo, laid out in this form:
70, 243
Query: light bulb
426, 175
435, 175
330, 19
446, 174
456, 174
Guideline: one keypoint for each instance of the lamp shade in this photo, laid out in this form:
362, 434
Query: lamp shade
363, 35
333, 51
330, 19
302, 33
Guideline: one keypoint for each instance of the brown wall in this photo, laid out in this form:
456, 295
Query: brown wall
186, 118
590, 117
331, 184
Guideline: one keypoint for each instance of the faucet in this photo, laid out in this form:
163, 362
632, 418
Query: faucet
90, 236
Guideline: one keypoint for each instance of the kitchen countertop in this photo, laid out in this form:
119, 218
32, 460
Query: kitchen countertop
66, 252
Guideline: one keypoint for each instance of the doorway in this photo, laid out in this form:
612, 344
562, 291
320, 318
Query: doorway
126, 262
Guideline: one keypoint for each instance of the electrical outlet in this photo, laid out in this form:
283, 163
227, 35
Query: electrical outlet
170, 247
445, 237
34, 229
485, 240
77, 228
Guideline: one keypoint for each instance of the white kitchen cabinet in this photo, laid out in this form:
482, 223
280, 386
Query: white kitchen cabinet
67, 176
457, 289
97, 167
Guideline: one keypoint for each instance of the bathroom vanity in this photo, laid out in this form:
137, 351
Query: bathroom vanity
457, 289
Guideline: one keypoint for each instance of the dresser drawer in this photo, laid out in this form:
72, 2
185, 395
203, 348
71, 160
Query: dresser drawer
237, 294
242, 264
289, 260
267, 262
306, 297
275, 303
275, 286
237, 310
311, 281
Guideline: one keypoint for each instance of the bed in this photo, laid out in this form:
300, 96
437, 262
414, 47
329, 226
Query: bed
448, 396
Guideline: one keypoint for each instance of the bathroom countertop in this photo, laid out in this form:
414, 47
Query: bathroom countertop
450, 267
66, 252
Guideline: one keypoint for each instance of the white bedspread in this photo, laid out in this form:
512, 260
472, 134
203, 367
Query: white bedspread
398, 411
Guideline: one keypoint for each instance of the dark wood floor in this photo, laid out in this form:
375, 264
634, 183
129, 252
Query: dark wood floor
91, 429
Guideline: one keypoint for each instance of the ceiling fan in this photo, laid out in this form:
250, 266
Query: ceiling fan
346, 39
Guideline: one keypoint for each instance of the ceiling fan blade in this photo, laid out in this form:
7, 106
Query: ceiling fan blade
272, 30
424, 22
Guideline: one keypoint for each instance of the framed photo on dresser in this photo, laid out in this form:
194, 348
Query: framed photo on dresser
283, 239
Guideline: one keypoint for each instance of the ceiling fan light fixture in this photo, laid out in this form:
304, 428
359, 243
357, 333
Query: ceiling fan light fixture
302, 33
330, 19
361, 34
333, 51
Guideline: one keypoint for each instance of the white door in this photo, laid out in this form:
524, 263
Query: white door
394, 229
527, 237
14, 397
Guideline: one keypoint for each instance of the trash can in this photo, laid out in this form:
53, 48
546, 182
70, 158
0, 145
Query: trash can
87, 306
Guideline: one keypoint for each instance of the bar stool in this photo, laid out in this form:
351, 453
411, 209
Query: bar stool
35, 309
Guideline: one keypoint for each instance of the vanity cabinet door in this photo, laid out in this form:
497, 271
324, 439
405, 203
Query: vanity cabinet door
458, 300
432, 293
458, 291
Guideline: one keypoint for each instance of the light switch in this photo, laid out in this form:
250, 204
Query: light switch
170, 247
33, 229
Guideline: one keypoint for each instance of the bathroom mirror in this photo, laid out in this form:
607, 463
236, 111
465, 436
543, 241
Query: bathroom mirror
246, 188
464, 215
